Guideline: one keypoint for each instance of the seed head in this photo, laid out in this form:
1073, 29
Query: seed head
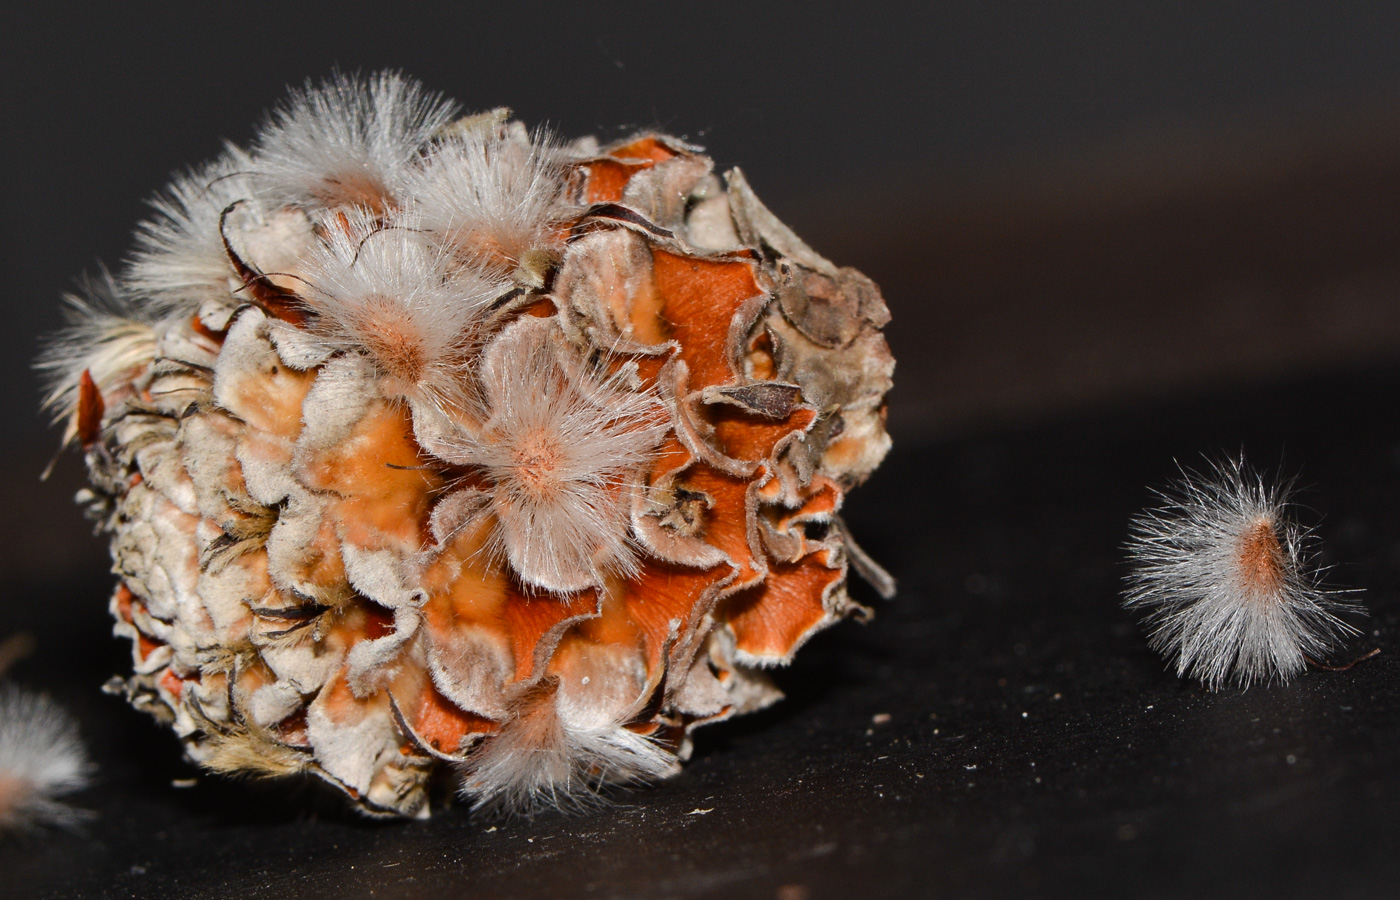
562, 445
442, 449
347, 142
1225, 580
384, 289
41, 760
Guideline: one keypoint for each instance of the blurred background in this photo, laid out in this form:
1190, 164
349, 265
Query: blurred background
1069, 207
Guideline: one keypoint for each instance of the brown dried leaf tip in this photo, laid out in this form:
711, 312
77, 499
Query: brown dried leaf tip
427, 445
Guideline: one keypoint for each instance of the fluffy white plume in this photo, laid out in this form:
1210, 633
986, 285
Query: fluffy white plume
106, 335
1224, 579
179, 260
562, 442
540, 761
498, 200
386, 289
41, 760
349, 141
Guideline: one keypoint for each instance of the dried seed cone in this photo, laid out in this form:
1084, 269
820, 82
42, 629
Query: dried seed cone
428, 447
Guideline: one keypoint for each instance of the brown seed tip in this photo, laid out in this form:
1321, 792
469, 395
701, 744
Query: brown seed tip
1261, 560
394, 342
538, 459
15, 795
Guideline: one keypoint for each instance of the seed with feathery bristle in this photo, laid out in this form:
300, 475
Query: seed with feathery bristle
347, 141
1225, 583
179, 253
561, 443
41, 760
542, 761
498, 200
385, 289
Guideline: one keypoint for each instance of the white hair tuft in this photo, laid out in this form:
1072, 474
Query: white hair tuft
1225, 582
387, 290
347, 142
41, 760
497, 200
562, 442
542, 761
108, 335
180, 261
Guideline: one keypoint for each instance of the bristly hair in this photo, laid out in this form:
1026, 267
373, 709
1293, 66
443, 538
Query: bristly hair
498, 200
179, 261
41, 760
108, 335
347, 142
1226, 582
390, 292
563, 441
539, 762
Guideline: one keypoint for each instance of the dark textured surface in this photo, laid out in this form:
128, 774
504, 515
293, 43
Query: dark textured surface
1000, 729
